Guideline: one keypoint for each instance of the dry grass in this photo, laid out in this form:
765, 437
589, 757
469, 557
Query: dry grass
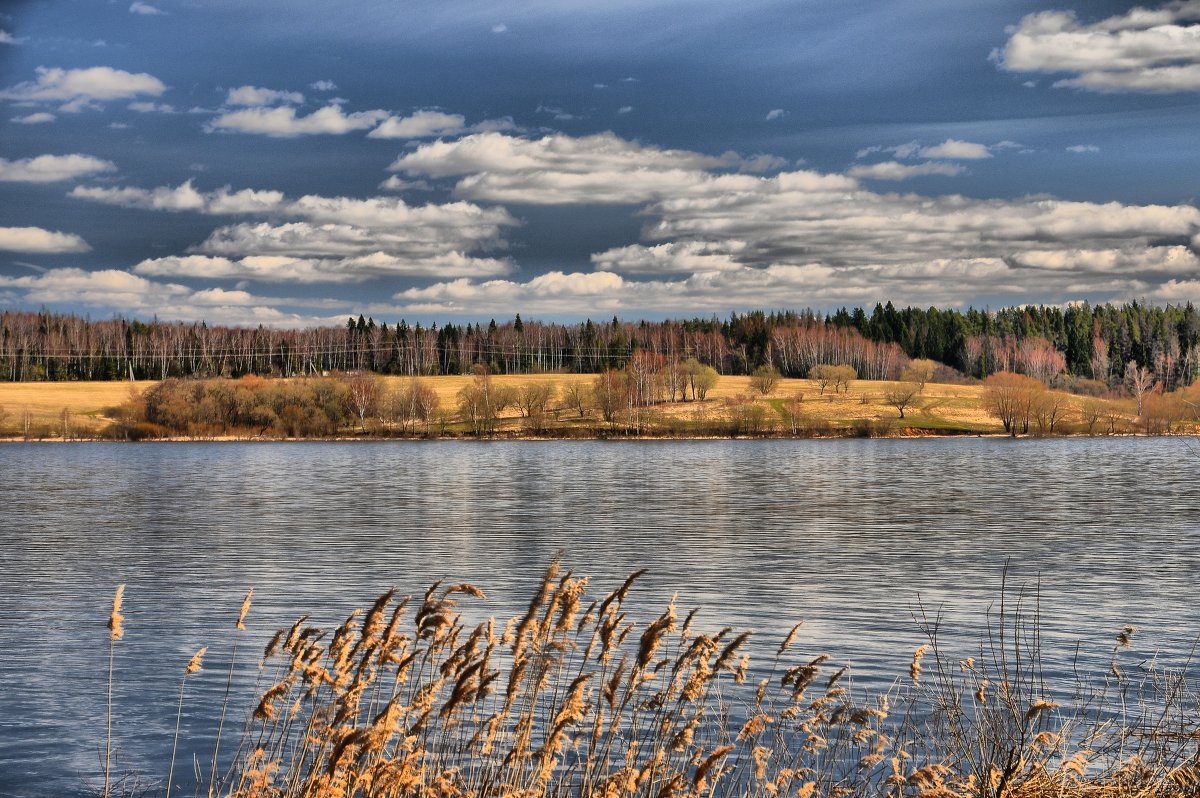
939, 408
87, 402
573, 698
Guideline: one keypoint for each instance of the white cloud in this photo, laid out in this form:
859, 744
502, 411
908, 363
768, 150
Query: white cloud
6, 37
323, 85
500, 28
1143, 50
52, 168
255, 96
1083, 148
329, 239
145, 9
39, 118
83, 88
775, 113
894, 170
557, 169
397, 183
957, 150
673, 258
290, 269
35, 239
131, 293
625, 109
151, 108
282, 122
419, 125
184, 197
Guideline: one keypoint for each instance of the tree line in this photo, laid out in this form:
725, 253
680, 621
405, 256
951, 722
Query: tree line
1079, 342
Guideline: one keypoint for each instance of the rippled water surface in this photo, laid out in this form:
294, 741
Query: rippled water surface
852, 536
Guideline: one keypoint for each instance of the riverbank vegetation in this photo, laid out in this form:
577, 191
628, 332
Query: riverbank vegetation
593, 695
650, 397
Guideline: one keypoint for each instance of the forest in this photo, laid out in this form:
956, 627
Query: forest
1049, 343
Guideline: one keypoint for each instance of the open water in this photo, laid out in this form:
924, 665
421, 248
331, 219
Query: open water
854, 537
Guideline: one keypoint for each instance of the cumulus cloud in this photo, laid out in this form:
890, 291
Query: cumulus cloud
115, 288
145, 9
625, 109
556, 169
35, 239
52, 168
1143, 50
6, 37
327, 239
422, 124
82, 88
323, 85
894, 170
282, 122
39, 118
290, 269
255, 96
673, 258
500, 28
775, 113
956, 150
1083, 148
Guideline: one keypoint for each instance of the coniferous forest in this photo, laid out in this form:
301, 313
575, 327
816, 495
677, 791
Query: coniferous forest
1047, 342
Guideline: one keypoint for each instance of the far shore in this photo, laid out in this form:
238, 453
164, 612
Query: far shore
732, 409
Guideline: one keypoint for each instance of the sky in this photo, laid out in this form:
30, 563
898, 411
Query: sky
291, 163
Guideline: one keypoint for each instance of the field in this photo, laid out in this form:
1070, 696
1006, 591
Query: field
940, 408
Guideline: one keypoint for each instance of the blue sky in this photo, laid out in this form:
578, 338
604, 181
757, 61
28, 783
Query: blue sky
292, 163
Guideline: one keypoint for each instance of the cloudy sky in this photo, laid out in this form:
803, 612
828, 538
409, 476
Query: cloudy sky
292, 162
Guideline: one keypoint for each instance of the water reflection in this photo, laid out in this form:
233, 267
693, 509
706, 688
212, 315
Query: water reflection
844, 534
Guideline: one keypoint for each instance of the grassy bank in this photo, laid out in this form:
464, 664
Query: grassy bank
793, 407
574, 698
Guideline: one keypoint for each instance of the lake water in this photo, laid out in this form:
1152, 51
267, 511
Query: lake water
848, 535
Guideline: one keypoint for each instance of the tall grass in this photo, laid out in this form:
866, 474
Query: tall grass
575, 698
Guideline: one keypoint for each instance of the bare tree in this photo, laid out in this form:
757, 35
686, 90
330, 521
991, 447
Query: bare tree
365, 392
1009, 397
793, 410
764, 379
824, 374
701, 378
919, 371
901, 394
577, 396
1048, 409
3, 418
1139, 381
608, 392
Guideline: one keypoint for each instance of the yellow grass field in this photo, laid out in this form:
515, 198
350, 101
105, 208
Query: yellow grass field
941, 407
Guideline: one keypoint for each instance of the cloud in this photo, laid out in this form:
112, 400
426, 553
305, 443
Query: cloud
255, 96
52, 168
557, 169
35, 239
894, 170
151, 108
82, 88
282, 122
625, 109
327, 239
134, 294
6, 37
1083, 148
422, 124
674, 258
397, 183
145, 9
289, 269
776, 113
39, 118
323, 85
183, 197
1143, 50
500, 28
958, 150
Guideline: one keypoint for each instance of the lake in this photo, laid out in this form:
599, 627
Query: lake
852, 536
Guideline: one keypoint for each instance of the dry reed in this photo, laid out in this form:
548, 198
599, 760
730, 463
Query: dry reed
572, 698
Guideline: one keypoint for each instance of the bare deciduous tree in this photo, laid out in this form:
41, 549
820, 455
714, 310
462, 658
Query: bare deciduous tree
1139, 381
764, 379
901, 394
919, 371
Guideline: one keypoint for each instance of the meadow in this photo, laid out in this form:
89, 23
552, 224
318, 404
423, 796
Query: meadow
54, 410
